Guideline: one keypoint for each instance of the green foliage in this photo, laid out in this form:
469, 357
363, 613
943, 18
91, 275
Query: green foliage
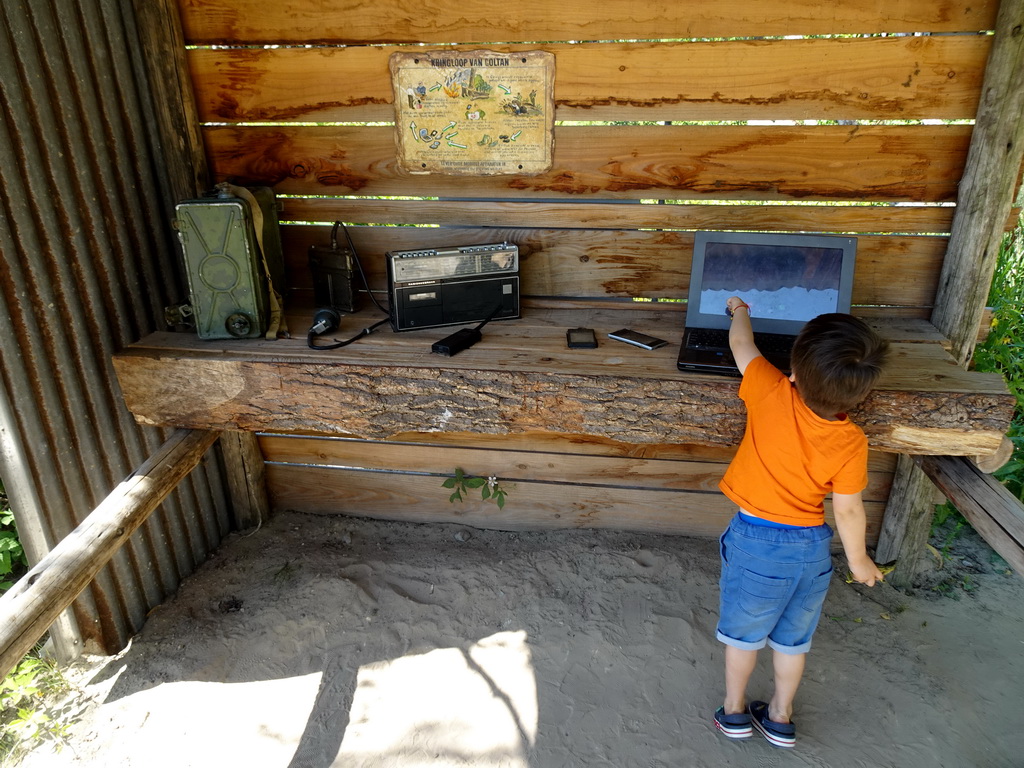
948, 523
462, 484
12, 556
945, 512
1003, 350
25, 718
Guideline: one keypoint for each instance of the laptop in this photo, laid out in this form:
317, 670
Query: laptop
786, 279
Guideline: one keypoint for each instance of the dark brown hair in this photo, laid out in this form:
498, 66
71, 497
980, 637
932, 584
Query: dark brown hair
837, 360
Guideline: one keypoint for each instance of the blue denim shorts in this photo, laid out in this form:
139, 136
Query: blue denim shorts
773, 585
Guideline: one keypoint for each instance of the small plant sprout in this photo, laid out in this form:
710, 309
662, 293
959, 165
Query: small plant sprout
461, 484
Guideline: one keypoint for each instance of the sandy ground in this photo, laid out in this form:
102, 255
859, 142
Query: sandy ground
335, 641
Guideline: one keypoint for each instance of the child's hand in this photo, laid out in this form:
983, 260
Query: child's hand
864, 571
735, 302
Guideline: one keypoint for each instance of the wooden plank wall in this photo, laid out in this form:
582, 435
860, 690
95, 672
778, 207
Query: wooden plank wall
670, 117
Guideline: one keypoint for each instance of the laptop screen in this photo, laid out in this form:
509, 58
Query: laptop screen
786, 279
784, 282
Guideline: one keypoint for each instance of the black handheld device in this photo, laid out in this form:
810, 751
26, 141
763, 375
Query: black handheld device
581, 338
637, 339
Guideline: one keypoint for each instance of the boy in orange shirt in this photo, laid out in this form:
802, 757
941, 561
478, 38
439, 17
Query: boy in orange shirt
776, 562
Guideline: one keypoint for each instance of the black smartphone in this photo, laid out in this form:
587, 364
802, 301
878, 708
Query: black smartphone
581, 338
638, 339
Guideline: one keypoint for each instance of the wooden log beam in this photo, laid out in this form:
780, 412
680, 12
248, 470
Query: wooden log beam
522, 379
995, 461
995, 513
29, 608
986, 189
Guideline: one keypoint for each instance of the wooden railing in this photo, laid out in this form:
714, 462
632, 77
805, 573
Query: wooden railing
989, 507
29, 608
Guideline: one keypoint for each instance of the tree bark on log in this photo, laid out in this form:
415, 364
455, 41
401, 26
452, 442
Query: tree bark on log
378, 401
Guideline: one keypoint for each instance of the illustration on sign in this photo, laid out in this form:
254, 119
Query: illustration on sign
474, 113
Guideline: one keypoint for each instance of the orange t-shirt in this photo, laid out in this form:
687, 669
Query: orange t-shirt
791, 458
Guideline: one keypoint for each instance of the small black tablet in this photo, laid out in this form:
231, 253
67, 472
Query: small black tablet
580, 338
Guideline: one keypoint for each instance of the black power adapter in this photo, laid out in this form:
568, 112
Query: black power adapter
463, 338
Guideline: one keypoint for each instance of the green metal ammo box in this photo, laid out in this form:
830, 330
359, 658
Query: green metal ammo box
227, 273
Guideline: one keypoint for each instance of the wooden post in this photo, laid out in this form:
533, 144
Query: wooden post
247, 478
986, 189
180, 133
29, 608
178, 127
983, 204
907, 522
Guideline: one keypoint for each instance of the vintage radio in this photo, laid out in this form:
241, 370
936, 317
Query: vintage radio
449, 286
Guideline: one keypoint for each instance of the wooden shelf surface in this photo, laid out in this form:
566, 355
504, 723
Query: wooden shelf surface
522, 378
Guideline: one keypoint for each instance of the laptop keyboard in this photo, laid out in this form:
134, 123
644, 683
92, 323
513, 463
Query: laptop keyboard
708, 338
717, 338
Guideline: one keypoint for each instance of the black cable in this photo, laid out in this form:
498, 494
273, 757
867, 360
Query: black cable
359, 266
338, 344
329, 319
490, 317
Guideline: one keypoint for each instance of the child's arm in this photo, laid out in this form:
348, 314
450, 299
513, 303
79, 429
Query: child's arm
851, 522
741, 335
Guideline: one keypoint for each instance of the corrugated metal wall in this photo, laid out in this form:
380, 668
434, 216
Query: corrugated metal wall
88, 267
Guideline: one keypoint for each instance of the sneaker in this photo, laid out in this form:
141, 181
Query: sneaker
778, 734
733, 726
